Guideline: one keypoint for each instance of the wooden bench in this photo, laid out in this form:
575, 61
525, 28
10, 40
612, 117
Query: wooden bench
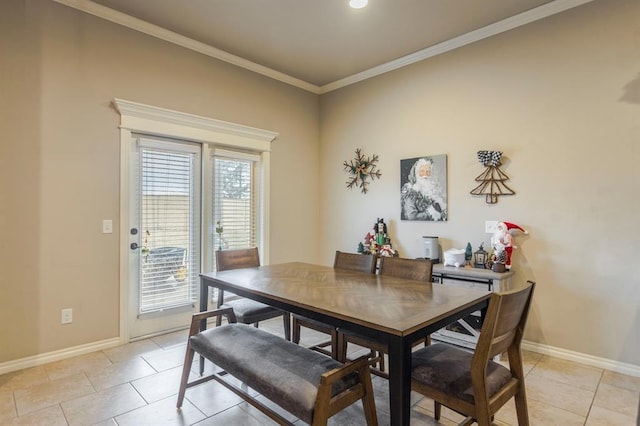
309, 385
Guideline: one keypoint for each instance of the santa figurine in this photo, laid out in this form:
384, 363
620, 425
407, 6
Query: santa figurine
502, 242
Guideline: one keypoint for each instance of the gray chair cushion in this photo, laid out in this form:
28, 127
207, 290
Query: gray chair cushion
285, 373
448, 369
249, 311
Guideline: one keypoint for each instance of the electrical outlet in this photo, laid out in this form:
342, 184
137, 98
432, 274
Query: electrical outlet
66, 316
490, 226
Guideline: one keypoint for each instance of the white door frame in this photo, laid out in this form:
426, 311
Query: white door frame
145, 119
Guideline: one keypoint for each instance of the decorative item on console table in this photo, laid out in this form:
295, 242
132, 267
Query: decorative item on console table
454, 257
502, 245
377, 241
480, 257
432, 249
468, 254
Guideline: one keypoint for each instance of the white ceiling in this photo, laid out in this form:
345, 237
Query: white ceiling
320, 45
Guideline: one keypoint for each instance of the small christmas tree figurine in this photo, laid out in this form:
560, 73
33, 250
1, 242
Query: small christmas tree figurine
468, 254
492, 179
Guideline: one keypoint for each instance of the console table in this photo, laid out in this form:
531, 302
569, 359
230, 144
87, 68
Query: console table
464, 332
493, 281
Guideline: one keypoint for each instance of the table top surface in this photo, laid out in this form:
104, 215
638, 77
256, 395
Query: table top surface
392, 305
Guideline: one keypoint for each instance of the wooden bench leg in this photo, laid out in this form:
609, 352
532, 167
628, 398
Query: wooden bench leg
327, 406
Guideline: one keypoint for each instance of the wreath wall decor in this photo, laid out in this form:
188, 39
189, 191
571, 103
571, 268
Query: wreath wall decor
362, 170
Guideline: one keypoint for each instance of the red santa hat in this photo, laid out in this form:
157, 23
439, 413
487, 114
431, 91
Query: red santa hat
510, 226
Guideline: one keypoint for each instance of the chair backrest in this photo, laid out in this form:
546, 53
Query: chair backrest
412, 269
504, 323
355, 262
236, 259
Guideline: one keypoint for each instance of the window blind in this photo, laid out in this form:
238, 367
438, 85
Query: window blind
235, 200
169, 226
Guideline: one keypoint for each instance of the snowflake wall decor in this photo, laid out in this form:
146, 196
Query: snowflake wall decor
361, 169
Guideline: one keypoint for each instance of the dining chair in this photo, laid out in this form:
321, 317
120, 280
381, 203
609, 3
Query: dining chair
411, 269
342, 260
247, 311
472, 384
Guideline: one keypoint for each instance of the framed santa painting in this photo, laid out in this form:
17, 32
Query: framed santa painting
423, 188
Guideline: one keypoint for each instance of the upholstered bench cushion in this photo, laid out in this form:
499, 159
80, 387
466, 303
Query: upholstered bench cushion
448, 369
248, 311
285, 373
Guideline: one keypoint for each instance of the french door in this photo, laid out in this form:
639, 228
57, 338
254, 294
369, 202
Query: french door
180, 201
165, 234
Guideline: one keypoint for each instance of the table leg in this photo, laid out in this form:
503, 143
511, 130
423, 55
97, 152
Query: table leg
400, 381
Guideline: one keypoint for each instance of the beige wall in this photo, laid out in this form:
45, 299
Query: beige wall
561, 98
59, 154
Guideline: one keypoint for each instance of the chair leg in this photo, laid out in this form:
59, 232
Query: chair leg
341, 347
334, 346
368, 401
521, 408
295, 331
186, 369
482, 418
286, 322
381, 361
437, 410
201, 365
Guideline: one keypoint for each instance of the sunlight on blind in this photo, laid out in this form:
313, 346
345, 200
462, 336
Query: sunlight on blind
169, 211
234, 202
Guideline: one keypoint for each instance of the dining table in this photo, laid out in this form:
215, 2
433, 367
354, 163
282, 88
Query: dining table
394, 311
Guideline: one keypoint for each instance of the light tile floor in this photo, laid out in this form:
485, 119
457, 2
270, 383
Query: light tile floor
137, 384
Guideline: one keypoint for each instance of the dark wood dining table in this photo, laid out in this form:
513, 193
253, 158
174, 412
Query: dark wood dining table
391, 310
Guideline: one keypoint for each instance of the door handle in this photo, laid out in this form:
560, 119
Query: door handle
134, 246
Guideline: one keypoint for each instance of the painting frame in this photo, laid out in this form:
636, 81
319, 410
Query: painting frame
423, 189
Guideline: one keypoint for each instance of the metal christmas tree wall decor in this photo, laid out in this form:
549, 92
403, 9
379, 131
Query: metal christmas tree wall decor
361, 169
492, 180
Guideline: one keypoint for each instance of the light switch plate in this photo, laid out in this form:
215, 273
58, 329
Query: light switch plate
490, 226
107, 226
66, 316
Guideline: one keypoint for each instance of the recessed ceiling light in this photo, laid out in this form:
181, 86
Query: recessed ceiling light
358, 4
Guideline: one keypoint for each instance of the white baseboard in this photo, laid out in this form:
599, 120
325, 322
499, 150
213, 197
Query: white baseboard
40, 359
593, 361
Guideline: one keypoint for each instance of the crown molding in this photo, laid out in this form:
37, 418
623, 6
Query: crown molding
145, 27
507, 24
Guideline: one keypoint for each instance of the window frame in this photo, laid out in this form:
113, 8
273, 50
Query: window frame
137, 118
255, 202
